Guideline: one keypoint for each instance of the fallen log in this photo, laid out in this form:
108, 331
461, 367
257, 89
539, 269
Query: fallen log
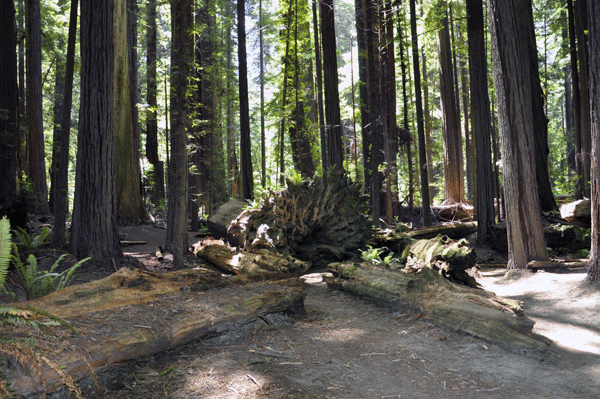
553, 265
473, 311
132, 314
452, 258
244, 262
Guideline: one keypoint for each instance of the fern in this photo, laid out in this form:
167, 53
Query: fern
32, 242
5, 246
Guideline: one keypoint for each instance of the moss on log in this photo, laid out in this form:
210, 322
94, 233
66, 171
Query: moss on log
473, 311
132, 314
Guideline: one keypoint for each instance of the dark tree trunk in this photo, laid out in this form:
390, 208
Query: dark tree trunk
594, 41
60, 164
482, 126
181, 60
59, 91
263, 144
450, 118
581, 28
576, 100
512, 76
9, 103
360, 13
319, 70
245, 144
420, 127
35, 142
157, 191
94, 230
335, 149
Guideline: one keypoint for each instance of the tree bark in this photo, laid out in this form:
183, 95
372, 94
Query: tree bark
35, 143
581, 27
420, 127
335, 151
9, 104
319, 83
181, 60
130, 208
450, 118
482, 126
60, 165
594, 40
512, 76
246, 154
94, 230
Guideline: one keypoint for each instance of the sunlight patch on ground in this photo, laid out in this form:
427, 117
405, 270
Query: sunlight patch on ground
341, 335
212, 382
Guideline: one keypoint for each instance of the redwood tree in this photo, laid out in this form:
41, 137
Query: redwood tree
246, 154
94, 231
594, 40
512, 77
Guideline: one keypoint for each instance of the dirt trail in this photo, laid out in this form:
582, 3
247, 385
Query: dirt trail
349, 348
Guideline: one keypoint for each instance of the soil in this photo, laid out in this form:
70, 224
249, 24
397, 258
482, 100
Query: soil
346, 347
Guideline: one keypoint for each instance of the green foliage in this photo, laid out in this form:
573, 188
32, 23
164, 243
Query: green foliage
38, 283
373, 255
32, 242
5, 246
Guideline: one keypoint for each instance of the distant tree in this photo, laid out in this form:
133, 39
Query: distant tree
246, 153
420, 125
130, 207
482, 125
594, 40
36, 154
319, 84
512, 77
181, 63
9, 109
94, 231
450, 116
60, 155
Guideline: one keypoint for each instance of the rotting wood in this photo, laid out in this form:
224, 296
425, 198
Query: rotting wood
470, 310
132, 314
129, 243
243, 262
538, 264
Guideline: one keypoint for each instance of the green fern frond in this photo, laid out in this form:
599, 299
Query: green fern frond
23, 236
70, 274
5, 247
55, 265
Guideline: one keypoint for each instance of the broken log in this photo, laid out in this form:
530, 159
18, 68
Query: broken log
244, 262
470, 310
578, 212
132, 314
218, 222
322, 220
451, 258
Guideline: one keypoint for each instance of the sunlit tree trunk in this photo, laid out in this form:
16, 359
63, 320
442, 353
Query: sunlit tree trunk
581, 28
94, 231
512, 77
319, 84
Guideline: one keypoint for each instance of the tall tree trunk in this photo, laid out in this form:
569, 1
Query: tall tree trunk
576, 101
420, 127
130, 208
59, 91
94, 230
482, 126
319, 70
512, 76
157, 191
594, 42
35, 142
181, 60
450, 118
22, 120
60, 165
9, 103
263, 144
581, 28
365, 115
245, 144
335, 150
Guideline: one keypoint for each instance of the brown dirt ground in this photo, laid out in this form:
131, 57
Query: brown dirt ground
346, 347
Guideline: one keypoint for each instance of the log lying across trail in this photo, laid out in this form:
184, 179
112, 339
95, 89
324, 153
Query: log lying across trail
132, 314
470, 310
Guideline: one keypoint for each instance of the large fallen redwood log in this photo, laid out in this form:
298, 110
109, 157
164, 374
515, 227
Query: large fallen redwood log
133, 314
473, 311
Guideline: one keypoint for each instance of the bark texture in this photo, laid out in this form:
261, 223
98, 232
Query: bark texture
512, 77
94, 231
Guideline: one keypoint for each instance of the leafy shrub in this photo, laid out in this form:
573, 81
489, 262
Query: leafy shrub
32, 242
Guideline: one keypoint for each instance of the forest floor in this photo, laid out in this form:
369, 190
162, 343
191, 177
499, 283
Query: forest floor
346, 347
